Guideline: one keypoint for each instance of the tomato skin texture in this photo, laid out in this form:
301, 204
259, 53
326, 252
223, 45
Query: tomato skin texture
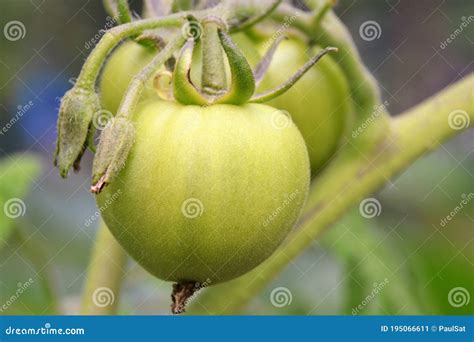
124, 63
319, 103
248, 180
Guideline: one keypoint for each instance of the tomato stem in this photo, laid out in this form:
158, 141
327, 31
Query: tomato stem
182, 291
137, 85
90, 71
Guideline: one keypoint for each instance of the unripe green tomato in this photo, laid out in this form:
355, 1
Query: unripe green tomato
207, 193
124, 63
319, 103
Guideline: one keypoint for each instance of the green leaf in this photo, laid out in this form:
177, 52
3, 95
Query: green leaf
17, 174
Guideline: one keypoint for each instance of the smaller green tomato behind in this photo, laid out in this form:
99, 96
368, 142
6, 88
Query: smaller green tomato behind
207, 193
126, 61
319, 102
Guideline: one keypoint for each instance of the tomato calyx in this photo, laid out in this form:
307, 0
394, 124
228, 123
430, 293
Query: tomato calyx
244, 80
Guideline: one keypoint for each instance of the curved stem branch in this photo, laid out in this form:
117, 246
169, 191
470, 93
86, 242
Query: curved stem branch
351, 176
137, 85
104, 276
90, 70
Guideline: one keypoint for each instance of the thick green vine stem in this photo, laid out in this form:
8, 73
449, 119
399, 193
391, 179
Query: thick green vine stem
104, 279
365, 91
353, 175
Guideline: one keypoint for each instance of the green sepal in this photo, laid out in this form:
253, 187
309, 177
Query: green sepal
242, 84
115, 143
184, 90
75, 129
285, 86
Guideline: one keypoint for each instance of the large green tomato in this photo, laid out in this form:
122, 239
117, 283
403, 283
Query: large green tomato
126, 61
319, 102
207, 193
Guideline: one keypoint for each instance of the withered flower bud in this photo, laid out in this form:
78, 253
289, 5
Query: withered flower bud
75, 129
112, 152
